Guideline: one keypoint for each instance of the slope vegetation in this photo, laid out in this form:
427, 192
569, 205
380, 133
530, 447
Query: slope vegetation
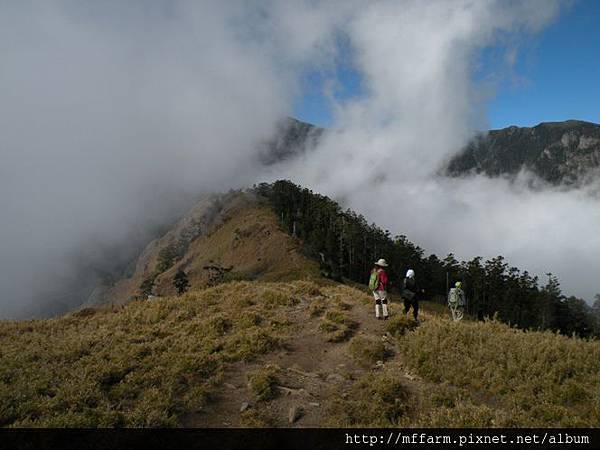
230, 237
296, 353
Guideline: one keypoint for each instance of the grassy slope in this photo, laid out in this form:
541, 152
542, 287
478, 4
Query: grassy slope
488, 374
241, 233
165, 361
143, 364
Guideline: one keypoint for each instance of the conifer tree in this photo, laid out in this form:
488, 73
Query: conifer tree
181, 282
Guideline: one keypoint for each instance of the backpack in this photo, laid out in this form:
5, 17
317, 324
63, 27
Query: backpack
409, 288
455, 297
374, 280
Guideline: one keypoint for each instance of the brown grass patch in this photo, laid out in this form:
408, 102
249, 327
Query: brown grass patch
367, 351
376, 400
141, 365
489, 374
262, 382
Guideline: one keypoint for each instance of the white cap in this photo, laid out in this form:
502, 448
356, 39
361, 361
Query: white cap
381, 263
410, 273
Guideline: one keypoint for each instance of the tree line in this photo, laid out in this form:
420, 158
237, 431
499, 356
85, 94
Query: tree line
347, 245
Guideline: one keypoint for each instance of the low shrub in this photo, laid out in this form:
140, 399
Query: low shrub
398, 325
262, 382
367, 351
376, 400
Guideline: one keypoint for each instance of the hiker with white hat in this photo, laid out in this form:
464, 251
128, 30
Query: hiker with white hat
411, 293
378, 284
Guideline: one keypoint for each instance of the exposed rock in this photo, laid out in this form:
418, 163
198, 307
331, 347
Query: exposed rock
303, 373
288, 391
294, 414
244, 406
335, 378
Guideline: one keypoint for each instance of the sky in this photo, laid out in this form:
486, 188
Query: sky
551, 76
116, 116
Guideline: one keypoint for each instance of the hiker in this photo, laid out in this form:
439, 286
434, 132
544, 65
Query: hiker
457, 301
378, 284
411, 293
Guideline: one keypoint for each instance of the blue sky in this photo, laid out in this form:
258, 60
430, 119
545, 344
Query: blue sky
556, 76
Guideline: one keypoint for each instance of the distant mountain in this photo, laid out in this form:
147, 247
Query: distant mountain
292, 138
558, 152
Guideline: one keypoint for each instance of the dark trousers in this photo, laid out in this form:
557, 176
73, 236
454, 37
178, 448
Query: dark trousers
415, 306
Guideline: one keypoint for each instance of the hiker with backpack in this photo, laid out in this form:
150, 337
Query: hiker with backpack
457, 301
378, 285
411, 293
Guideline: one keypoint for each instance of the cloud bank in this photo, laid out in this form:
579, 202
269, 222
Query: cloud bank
113, 115
417, 61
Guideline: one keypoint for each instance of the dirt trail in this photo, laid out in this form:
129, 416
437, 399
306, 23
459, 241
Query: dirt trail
312, 370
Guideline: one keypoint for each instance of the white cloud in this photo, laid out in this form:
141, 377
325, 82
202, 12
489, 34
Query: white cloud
113, 114
417, 60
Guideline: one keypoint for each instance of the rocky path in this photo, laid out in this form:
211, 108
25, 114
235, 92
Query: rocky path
311, 370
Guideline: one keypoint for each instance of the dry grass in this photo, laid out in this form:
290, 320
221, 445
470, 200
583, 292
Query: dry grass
375, 400
367, 351
244, 235
262, 382
151, 363
252, 418
143, 364
488, 374
398, 325
337, 326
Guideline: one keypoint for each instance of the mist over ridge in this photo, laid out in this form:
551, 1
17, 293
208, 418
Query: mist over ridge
115, 118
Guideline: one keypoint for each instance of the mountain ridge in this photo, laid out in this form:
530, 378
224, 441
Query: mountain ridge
223, 237
281, 232
559, 153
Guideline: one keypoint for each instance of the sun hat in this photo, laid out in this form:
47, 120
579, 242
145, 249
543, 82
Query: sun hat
381, 263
